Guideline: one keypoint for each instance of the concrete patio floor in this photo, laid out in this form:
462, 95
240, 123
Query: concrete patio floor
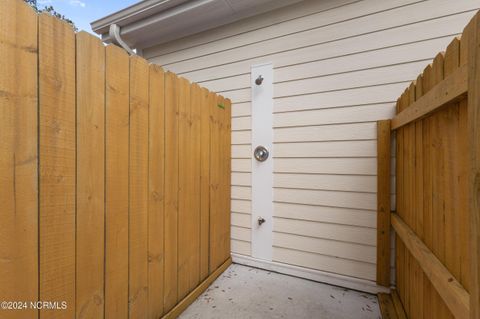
245, 292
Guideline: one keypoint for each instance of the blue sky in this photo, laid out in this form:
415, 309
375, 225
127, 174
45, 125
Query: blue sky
82, 12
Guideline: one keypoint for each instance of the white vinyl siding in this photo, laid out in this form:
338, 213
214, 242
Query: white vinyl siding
339, 66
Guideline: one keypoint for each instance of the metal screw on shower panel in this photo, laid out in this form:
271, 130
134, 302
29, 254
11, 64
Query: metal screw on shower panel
261, 220
259, 80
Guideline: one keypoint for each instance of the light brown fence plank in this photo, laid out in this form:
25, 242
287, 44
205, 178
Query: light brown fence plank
403, 208
19, 157
90, 176
451, 151
427, 83
438, 190
57, 164
194, 189
383, 203
204, 184
227, 138
185, 227
156, 179
171, 191
399, 247
116, 182
474, 163
215, 203
418, 204
138, 189
451, 291
463, 164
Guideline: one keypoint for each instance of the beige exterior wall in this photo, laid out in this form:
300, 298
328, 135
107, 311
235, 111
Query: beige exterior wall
339, 66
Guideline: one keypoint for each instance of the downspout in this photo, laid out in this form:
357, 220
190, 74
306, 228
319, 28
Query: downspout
114, 33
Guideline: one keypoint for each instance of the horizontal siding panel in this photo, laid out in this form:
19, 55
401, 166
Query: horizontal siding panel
326, 198
403, 53
241, 247
320, 133
241, 137
237, 96
335, 215
352, 97
412, 33
241, 192
241, 179
241, 165
241, 206
241, 151
349, 234
351, 183
326, 247
325, 263
377, 76
327, 149
241, 123
241, 220
235, 82
312, 21
351, 28
241, 233
250, 24
364, 113
241, 109
344, 166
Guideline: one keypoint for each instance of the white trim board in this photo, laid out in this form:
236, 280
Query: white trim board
311, 274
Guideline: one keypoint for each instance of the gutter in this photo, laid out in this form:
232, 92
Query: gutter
114, 33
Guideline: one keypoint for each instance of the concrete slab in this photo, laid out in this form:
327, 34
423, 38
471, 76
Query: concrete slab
245, 292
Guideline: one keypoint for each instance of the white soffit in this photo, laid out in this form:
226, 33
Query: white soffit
153, 22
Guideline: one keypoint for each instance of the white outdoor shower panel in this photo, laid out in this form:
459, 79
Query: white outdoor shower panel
262, 172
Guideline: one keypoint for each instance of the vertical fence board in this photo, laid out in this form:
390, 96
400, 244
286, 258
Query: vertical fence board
427, 219
225, 138
474, 163
57, 164
228, 175
438, 190
19, 157
383, 203
116, 182
399, 246
194, 190
418, 223
171, 190
414, 299
138, 189
406, 178
156, 160
464, 173
215, 158
90, 176
205, 184
451, 154
185, 239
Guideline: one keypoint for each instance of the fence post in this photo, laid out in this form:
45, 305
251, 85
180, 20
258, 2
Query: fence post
383, 202
474, 172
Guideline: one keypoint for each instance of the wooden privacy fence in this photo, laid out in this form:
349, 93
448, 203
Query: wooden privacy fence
437, 218
114, 177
